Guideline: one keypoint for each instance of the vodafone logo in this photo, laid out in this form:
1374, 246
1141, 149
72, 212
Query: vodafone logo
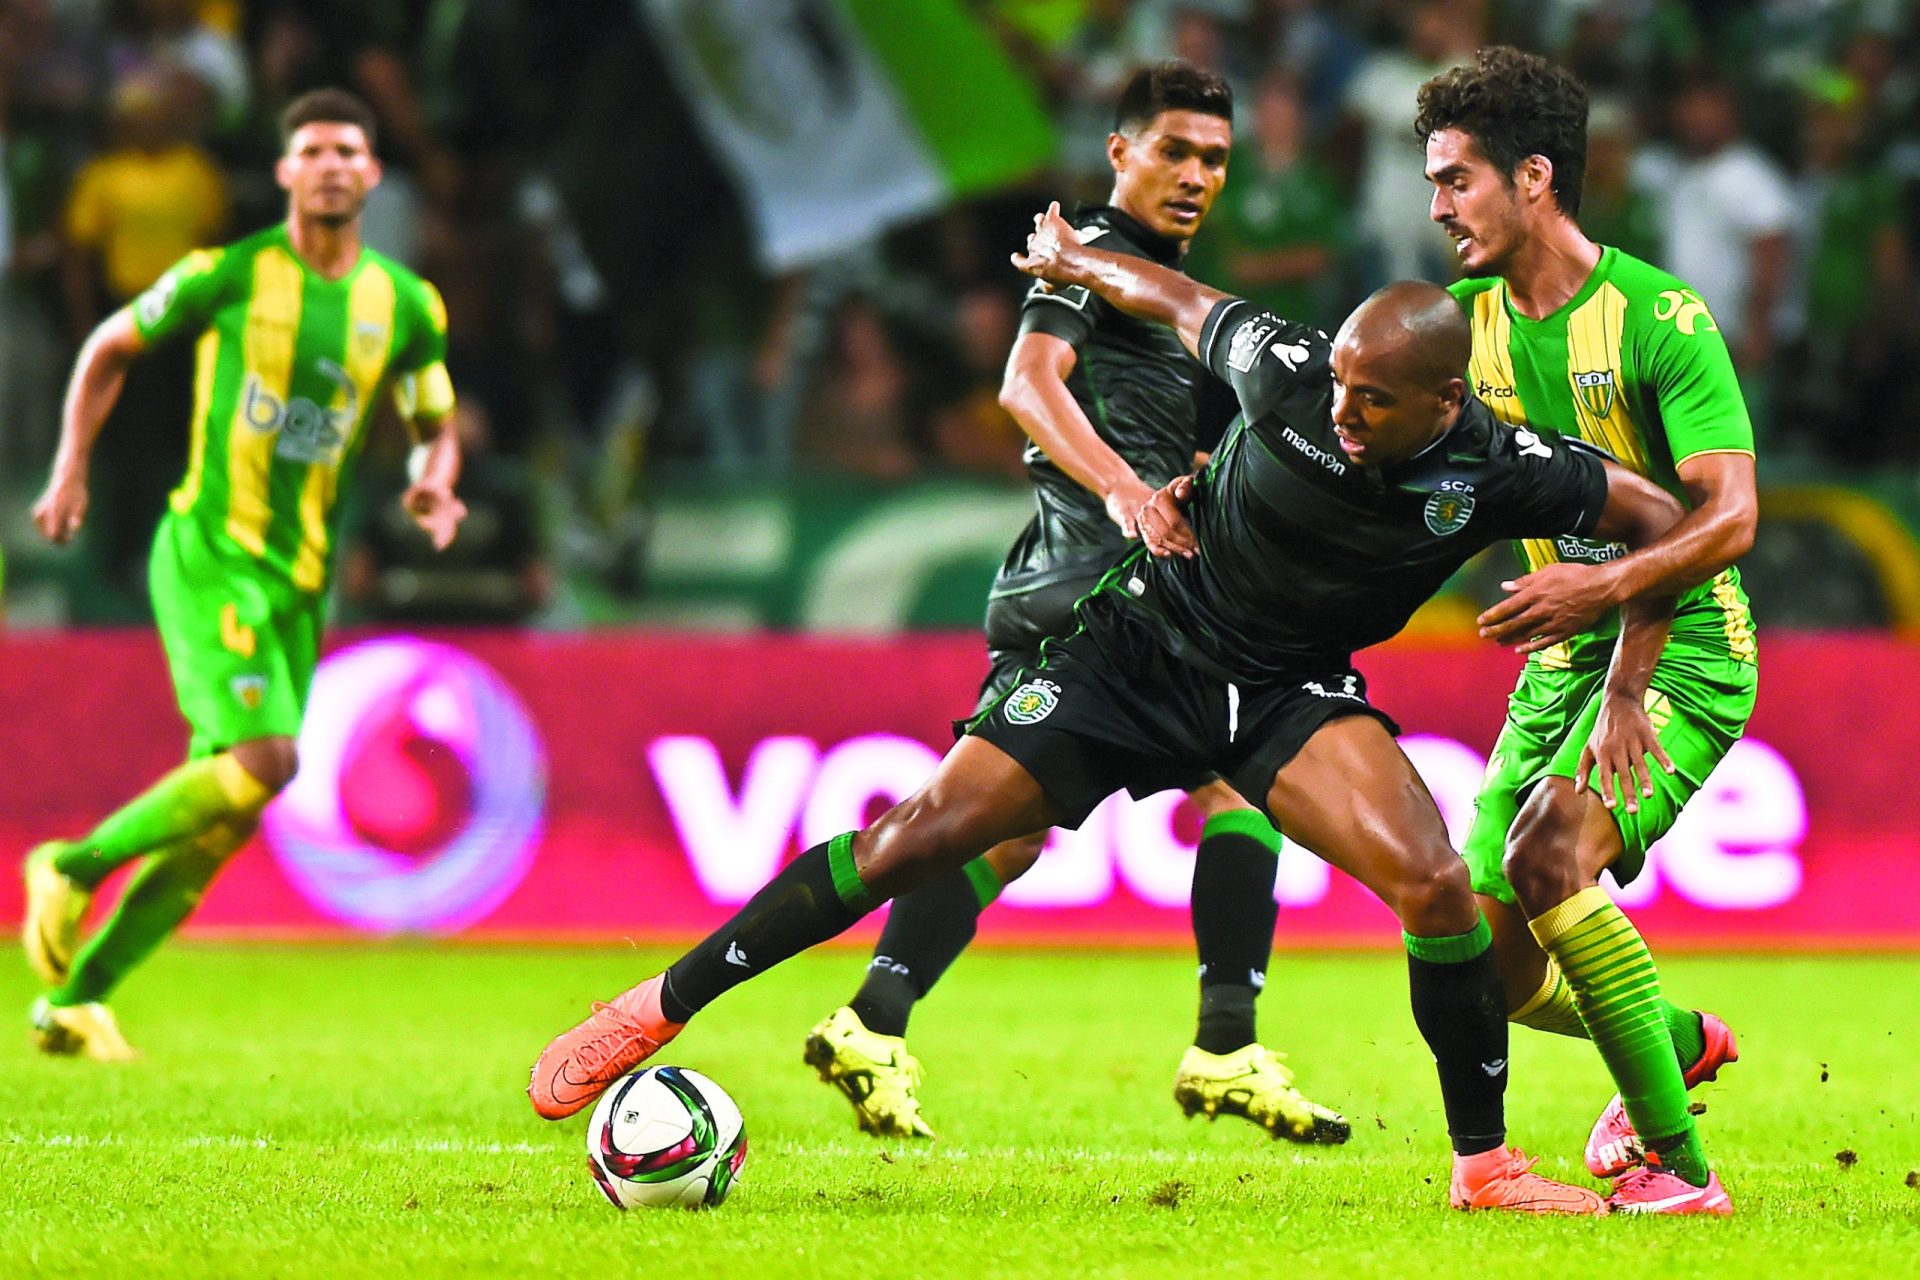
1735, 847
421, 789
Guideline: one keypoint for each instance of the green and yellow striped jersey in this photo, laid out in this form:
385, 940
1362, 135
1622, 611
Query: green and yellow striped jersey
288, 367
1635, 364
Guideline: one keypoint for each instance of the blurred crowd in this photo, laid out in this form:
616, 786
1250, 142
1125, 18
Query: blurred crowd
610, 320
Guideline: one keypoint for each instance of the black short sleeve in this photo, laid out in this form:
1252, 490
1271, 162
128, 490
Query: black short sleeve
1262, 357
1549, 485
1068, 313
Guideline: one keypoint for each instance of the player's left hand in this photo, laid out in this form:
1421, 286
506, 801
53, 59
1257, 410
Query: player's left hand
1050, 248
435, 509
1163, 522
1555, 602
1617, 752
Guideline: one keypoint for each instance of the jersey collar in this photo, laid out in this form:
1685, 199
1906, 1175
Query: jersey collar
1595, 278
1162, 250
1473, 414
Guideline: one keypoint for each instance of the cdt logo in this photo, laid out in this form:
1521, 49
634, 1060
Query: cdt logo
1736, 847
421, 788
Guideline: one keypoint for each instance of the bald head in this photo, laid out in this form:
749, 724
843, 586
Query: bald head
1399, 368
1413, 332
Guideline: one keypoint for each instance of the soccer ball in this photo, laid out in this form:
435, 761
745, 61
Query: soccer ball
663, 1137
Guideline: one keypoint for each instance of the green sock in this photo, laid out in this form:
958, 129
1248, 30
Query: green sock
162, 893
1551, 1009
1617, 991
1689, 1036
984, 879
181, 805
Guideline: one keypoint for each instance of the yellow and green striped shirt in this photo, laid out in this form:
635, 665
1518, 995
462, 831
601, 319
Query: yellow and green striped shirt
288, 367
1635, 364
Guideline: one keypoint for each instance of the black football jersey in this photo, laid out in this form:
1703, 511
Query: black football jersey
1141, 391
1304, 556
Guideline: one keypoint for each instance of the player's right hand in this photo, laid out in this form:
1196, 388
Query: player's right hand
1050, 248
1618, 753
1163, 523
61, 510
1125, 502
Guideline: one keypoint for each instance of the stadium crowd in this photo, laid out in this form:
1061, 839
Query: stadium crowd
609, 318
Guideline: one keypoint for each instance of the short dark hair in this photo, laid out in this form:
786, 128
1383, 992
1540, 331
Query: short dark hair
1514, 105
1171, 86
326, 106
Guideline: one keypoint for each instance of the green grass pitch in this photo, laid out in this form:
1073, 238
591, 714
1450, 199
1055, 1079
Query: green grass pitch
355, 1112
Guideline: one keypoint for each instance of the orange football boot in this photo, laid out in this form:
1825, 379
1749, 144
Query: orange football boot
1503, 1179
619, 1035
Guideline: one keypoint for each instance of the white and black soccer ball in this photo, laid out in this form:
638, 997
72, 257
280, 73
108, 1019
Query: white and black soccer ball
666, 1137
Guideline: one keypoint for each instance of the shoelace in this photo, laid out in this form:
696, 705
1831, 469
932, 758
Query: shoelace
1273, 1060
597, 1052
1637, 1176
1519, 1164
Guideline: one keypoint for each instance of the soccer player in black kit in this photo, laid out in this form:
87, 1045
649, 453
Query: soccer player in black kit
1361, 474
1114, 408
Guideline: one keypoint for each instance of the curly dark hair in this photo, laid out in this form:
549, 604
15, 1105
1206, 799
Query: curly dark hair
1513, 105
1171, 86
326, 106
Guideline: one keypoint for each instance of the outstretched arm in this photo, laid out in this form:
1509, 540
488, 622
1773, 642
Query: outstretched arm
98, 375
1140, 288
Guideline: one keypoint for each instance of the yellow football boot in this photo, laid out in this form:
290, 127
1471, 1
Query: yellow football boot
1254, 1083
85, 1030
875, 1072
50, 933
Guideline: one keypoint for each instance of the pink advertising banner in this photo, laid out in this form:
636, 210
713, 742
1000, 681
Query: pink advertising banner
515, 785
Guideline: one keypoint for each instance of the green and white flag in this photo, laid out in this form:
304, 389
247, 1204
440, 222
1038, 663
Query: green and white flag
840, 118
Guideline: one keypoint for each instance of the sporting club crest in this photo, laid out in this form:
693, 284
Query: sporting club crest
1448, 512
1596, 391
1244, 349
1032, 702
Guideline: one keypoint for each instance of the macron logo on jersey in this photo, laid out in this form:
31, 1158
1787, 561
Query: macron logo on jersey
1324, 457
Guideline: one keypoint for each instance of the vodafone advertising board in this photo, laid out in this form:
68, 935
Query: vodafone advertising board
614, 784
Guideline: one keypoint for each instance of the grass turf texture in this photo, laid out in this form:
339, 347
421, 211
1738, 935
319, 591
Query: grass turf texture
331, 1112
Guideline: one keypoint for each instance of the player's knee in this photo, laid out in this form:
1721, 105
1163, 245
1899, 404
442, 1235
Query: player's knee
1434, 899
909, 844
1011, 859
271, 762
1540, 860
1216, 797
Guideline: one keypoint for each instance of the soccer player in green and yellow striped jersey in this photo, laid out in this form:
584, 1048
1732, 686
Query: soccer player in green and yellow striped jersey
297, 331
1594, 343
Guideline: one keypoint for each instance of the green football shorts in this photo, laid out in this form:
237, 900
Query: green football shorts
1699, 701
241, 641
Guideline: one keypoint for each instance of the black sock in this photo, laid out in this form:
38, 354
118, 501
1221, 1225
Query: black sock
926, 931
1233, 918
816, 896
1226, 1017
1458, 1005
